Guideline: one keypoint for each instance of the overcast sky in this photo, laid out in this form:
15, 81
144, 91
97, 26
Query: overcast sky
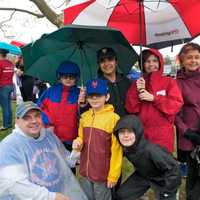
27, 28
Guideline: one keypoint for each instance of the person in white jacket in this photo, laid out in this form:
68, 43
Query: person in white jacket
34, 165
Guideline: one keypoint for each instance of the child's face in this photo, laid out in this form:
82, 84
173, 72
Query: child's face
97, 101
191, 60
126, 137
68, 80
151, 64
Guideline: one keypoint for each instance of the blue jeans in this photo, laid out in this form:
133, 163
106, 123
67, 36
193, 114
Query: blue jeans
5, 103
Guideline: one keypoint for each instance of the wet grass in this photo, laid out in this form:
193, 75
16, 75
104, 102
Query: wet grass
8, 131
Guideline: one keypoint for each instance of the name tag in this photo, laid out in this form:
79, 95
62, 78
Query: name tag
161, 93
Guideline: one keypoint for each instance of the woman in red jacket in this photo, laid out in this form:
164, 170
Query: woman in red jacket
187, 121
155, 99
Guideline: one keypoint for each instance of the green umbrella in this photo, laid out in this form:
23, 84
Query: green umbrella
78, 44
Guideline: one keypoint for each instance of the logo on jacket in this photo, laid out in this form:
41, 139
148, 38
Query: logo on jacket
44, 168
94, 84
161, 93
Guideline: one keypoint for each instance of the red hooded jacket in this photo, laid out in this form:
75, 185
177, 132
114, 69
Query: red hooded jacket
157, 116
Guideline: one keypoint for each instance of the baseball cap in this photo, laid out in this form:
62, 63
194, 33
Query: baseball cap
24, 107
68, 67
96, 86
105, 52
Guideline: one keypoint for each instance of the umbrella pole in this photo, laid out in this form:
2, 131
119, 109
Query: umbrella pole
140, 34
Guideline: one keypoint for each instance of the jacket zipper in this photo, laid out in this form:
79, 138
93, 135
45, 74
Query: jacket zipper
89, 141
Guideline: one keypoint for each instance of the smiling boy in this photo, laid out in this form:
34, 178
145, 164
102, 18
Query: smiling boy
101, 154
154, 167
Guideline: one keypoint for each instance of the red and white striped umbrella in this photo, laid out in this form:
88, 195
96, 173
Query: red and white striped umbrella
153, 23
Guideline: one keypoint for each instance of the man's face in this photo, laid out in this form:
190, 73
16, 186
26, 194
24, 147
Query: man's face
68, 80
108, 65
126, 137
31, 123
191, 60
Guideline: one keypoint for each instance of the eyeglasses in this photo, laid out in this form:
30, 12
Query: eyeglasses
68, 76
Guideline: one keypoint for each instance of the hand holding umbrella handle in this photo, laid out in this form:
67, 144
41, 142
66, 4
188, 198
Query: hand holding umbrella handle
140, 84
82, 96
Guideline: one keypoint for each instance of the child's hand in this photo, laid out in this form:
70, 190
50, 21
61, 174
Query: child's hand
77, 145
140, 83
111, 184
82, 96
146, 96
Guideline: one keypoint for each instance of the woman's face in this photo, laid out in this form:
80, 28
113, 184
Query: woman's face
151, 64
191, 60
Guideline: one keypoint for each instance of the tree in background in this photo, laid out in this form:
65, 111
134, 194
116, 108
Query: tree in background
50, 9
167, 60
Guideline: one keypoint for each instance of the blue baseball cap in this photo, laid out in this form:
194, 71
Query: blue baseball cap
24, 107
68, 67
96, 86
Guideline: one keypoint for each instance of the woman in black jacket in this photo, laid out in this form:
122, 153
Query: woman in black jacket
154, 167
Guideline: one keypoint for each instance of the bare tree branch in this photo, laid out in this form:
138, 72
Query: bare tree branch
54, 18
22, 10
7, 20
5, 34
64, 2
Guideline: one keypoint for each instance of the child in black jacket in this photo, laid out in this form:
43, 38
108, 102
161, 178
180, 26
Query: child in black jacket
154, 167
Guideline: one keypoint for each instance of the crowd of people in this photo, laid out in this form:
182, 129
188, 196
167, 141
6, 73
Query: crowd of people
96, 126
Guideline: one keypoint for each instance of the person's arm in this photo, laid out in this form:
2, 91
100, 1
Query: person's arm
132, 102
179, 123
27, 190
168, 168
115, 160
193, 136
78, 142
171, 102
1, 70
14, 181
44, 105
115, 163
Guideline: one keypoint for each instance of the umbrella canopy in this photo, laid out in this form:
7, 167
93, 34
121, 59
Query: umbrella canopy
78, 44
152, 23
12, 49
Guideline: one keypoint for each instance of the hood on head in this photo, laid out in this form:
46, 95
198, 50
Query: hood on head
130, 122
156, 53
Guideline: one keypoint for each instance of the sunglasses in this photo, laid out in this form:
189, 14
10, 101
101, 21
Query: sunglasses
68, 76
